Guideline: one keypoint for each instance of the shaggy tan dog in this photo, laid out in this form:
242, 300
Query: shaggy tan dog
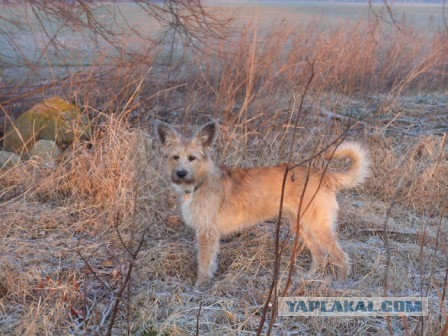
217, 201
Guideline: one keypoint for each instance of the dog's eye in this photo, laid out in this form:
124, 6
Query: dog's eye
175, 157
191, 158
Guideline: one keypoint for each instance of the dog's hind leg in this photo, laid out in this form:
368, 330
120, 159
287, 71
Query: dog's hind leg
324, 239
318, 257
208, 247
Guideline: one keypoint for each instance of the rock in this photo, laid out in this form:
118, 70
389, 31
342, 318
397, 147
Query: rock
8, 159
54, 119
47, 150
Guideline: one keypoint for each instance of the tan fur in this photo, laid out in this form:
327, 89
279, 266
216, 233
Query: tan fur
217, 201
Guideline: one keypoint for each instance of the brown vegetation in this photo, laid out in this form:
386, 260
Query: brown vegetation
67, 230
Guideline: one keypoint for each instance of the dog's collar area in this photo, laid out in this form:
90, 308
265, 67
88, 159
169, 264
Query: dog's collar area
187, 194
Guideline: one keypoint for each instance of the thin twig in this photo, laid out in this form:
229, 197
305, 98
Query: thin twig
386, 243
198, 317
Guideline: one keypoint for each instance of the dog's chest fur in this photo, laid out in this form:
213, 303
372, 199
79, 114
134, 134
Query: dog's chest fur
198, 211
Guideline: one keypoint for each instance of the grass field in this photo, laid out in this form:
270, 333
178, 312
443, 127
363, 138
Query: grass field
423, 16
96, 237
77, 48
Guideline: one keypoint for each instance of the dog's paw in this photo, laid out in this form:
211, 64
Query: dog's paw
202, 282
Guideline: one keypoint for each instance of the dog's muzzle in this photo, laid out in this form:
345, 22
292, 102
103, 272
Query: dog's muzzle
182, 176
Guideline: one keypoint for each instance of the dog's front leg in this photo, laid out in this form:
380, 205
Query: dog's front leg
208, 247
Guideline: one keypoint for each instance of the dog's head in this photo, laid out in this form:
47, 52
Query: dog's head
187, 158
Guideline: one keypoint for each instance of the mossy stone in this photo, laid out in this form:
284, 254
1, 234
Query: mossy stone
54, 119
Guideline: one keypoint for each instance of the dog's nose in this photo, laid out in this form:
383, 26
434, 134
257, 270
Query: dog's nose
181, 173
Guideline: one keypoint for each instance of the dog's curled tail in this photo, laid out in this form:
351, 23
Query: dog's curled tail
358, 171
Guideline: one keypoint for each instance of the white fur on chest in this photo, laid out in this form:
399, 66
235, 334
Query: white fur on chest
186, 211
197, 212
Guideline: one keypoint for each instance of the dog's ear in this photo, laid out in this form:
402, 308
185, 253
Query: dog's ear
207, 134
166, 135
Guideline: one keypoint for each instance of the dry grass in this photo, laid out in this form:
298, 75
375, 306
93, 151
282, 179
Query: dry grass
54, 214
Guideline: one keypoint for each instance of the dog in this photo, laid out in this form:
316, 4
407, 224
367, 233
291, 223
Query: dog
216, 201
